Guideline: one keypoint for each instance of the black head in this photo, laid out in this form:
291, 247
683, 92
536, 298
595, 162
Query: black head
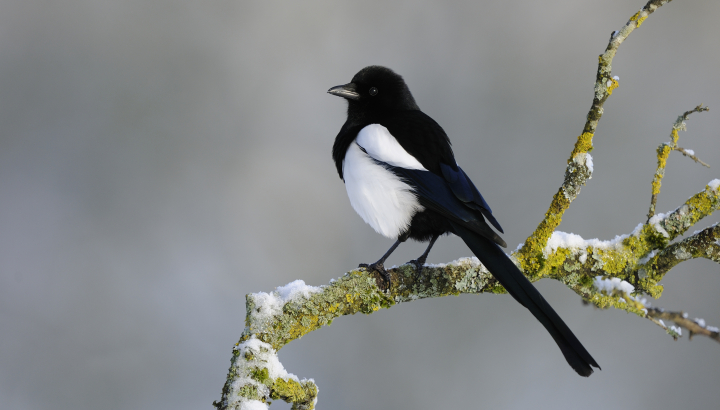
375, 90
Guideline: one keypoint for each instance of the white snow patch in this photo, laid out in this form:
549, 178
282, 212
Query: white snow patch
645, 259
575, 242
583, 257
616, 78
689, 152
712, 329
714, 184
662, 323
296, 289
612, 284
253, 405
560, 239
655, 222
520, 245
262, 356
584, 159
472, 261
589, 162
271, 304
676, 330
684, 315
700, 321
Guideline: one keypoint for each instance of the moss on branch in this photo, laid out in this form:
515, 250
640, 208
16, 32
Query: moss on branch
605, 273
640, 259
605, 84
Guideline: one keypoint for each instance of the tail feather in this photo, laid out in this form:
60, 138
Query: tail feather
524, 292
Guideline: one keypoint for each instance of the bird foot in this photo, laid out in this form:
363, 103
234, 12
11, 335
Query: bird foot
419, 264
379, 268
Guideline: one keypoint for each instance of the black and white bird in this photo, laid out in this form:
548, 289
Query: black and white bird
401, 177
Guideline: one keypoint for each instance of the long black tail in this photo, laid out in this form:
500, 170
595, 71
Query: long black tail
495, 260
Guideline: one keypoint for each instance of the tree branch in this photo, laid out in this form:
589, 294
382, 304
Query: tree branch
696, 326
663, 152
579, 168
606, 273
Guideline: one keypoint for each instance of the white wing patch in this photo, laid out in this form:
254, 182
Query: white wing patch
381, 145
380, 197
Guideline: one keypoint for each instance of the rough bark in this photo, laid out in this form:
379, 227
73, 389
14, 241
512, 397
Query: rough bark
614, 273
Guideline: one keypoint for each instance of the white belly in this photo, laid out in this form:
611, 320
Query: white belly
381, 199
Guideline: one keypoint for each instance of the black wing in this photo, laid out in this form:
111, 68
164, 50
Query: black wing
436, 194
465, 190
424, 139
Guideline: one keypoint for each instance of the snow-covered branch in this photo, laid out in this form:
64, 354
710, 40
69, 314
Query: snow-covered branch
291, 311
606, 273
579, 168
615, 273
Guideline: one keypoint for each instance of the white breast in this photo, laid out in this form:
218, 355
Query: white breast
382, 199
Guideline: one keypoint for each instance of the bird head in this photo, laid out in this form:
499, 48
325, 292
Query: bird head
375, 90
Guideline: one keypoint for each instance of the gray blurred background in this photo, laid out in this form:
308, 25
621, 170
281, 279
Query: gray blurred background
160, 159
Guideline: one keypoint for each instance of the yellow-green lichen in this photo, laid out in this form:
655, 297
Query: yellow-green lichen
703, 204
530, 257
472, 279
674, 135
639, 18
354, 292
619, 301
250, 392
583, 144
613, 85
262, 376
302, 395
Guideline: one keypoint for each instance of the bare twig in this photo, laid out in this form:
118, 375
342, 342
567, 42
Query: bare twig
692, 156
663, 152
694, 327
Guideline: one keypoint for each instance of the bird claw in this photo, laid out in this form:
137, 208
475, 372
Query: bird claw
419, 264
379, 268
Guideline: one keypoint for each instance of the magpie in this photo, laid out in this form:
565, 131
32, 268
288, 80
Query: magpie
402, 179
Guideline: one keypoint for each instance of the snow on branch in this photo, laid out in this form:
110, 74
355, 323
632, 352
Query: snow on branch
606, 273
579, 168
693, 326
615, 273
612, 273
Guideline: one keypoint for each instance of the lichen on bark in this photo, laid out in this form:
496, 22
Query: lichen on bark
614, 273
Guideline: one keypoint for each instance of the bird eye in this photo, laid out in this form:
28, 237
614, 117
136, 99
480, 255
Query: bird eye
373, 91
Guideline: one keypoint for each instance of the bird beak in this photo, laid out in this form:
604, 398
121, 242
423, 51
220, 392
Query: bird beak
348, 91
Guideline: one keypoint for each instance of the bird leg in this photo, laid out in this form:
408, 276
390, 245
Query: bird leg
420, 262
379, 265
